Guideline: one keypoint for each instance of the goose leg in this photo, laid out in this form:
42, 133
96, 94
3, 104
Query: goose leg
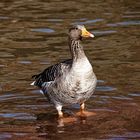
82, 108
59, 109
82, 113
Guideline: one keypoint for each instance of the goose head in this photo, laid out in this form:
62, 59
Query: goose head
77, 32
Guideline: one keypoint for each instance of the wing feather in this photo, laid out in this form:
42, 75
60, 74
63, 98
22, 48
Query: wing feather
52, 72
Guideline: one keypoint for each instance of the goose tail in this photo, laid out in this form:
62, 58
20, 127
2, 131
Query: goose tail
33, 83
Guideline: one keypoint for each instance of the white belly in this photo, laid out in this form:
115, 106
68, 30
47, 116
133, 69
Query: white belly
82, 76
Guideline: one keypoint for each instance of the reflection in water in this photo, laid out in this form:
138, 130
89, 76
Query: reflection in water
33, 35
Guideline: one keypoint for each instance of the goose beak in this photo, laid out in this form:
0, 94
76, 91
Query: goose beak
85, 33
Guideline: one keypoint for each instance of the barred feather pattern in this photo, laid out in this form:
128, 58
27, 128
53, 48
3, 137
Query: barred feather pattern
50, 73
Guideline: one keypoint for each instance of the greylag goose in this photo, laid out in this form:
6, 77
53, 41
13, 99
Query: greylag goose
72, 81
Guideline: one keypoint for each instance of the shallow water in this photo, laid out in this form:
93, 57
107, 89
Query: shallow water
33, 36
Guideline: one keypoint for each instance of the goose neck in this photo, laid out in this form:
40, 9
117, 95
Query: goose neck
76, 49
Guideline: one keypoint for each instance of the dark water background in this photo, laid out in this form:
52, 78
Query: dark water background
33, 36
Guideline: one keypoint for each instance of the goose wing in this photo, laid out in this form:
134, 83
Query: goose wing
52, 72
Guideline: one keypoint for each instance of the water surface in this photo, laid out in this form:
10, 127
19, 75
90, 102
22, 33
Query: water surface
33, 36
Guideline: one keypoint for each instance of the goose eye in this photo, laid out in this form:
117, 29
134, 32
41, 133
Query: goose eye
76, 28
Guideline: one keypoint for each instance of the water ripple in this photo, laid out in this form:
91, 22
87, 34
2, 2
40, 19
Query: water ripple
132, 12
55, 20
104, 109
134, 94
7, 97
24, 62
105, 88
23, 116
99, 33
6, 55
125, 23
5, 135
131, 16
127, 135
43, 30
2, 65
89, 21
100, 81
2, 97
3, 17
33, 106
122, 98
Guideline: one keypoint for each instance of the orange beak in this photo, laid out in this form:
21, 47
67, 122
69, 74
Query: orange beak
85, 33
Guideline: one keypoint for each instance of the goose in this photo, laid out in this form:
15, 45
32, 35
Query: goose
71, 81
